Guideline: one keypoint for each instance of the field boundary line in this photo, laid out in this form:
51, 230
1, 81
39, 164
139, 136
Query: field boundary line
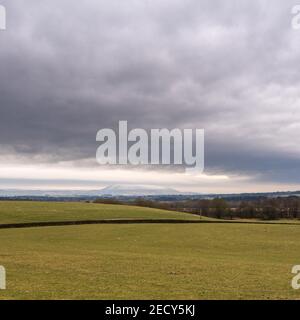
132, 221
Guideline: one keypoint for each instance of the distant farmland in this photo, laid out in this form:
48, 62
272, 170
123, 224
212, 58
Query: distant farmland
29, 211
161, 261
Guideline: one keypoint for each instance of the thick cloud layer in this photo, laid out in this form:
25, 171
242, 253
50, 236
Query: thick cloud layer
68, 69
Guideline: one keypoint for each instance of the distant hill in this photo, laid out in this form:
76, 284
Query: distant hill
132, 191
137, 190
113, 190
47, 193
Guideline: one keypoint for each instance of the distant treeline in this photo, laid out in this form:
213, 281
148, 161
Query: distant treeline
262, 208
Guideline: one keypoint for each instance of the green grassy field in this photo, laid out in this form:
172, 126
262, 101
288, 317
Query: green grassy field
162, 261
22, 211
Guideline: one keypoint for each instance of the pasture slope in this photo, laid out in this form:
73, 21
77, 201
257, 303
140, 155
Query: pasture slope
143, 261
29, 211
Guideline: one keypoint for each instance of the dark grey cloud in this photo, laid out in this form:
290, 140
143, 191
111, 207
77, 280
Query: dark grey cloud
68, 69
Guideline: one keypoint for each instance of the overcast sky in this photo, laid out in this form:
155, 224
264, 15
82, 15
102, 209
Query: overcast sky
69, 68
